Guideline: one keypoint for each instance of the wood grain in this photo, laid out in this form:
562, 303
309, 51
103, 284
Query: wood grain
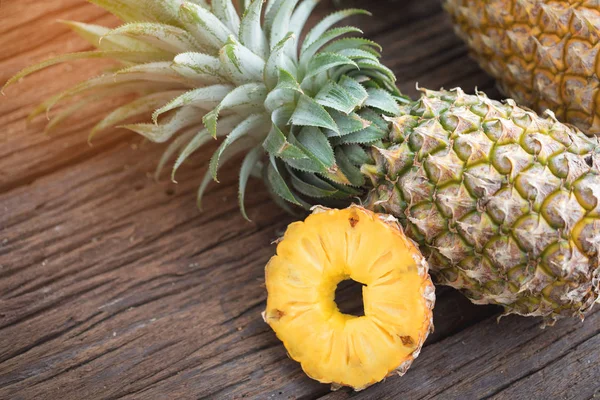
113, 285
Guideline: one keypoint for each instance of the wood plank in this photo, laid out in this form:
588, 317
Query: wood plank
113, 285
498, 360
572, 374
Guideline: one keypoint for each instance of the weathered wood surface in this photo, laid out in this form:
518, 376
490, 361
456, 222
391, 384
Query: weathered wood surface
114, 286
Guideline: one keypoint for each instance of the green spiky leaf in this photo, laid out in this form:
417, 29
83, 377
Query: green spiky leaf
356, 154
310, 113
251, 32
164, 11
348, 123
204, 98
382, 100
308, 189
271, 72
277, 182
240, 64
249, 97
250, 161
335, 96
162, 36
253, 122
327, 23
323, 62
281, 22
353, 173
225, 11
204, 26
277, 144
353, 43
321, 41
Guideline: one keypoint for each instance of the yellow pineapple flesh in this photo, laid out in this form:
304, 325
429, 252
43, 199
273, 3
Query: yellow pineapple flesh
544, 53
313, 257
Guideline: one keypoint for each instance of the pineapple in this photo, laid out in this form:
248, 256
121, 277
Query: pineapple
544, 53
335, 245
504, 203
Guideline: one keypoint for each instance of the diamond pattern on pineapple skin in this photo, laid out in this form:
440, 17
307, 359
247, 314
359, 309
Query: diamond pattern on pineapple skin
517, 229
541, 145
561, 210
553, 46
466, 120
397, 157
534, 234
587, 238
503, 131
580, 56
569, 167
477, 229
429, 137
444, 168
563, 259
430, 108
427, 219
555, 18
478, 268
473, 147
579, 93
549, 53
526, 10
585, 25
522, 42
415, 186
483, 181
454, 201
511, 159
451, 246
507, 206
536, 183
548, 82
504, 253
587, 192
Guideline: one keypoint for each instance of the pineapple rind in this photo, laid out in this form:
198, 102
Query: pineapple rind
544, 53
504, 204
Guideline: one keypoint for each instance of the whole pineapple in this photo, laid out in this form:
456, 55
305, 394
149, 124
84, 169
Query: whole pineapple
504, 203
544, 53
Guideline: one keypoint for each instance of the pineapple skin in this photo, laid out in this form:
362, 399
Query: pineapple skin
326, 248
504, 204
543, 53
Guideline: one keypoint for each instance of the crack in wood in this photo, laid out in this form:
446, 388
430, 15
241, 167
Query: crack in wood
47, 338
27, 316
543, 366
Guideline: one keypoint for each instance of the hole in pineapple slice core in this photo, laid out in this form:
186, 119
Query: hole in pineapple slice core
349, 299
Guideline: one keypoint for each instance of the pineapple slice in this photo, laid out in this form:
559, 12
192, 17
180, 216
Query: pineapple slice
314, 256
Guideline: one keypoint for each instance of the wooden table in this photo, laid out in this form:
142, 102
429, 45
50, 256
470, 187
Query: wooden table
113, 285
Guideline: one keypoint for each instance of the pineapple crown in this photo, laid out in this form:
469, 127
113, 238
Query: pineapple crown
301, 111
